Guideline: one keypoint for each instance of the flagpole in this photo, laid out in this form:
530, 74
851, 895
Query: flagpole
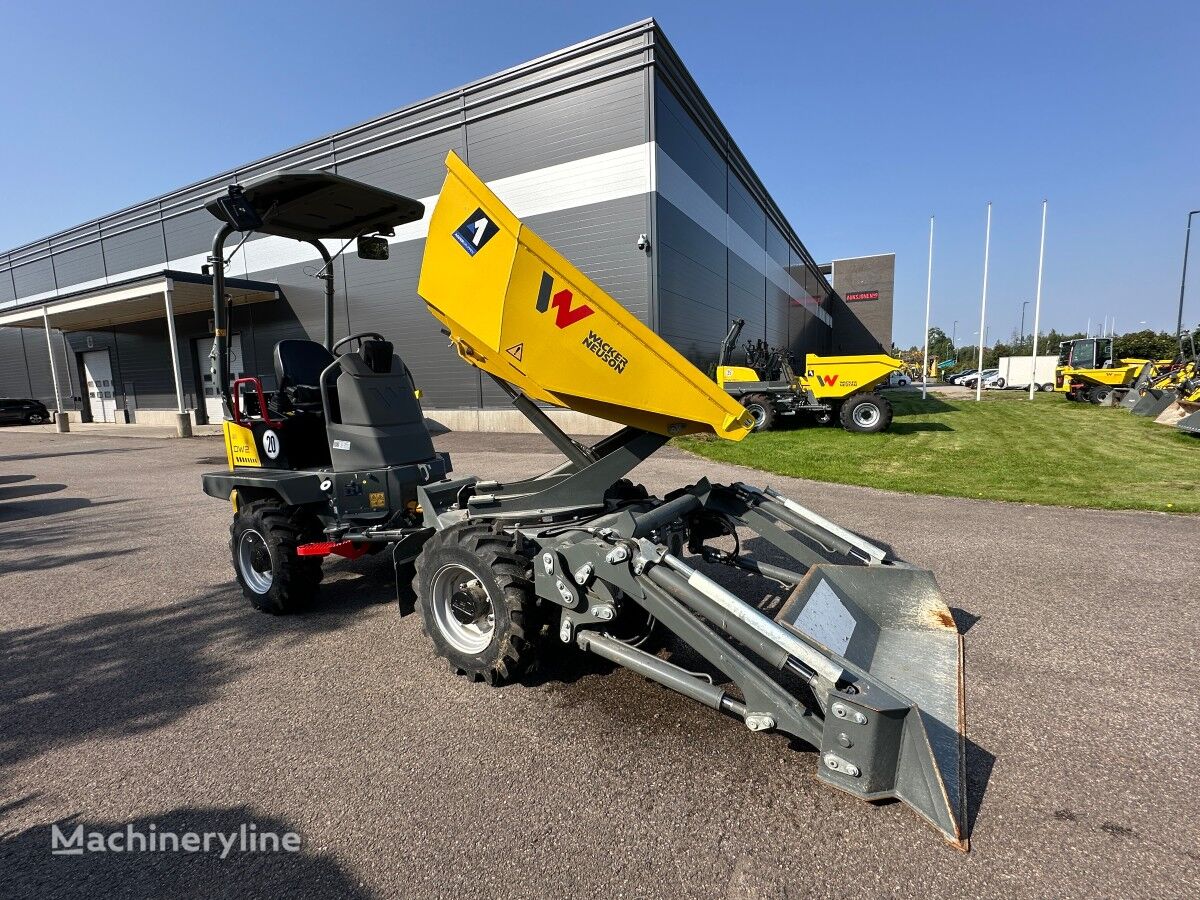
987, 246
1037, 305
928, 298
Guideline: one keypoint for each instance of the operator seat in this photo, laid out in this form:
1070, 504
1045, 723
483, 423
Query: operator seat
298, 368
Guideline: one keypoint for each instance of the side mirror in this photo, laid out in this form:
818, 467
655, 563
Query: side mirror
238, 211
372, 247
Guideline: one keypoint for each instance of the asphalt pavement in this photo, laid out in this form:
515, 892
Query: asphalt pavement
139, 691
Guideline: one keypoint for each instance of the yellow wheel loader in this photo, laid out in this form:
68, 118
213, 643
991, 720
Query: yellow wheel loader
832, 388
828, 639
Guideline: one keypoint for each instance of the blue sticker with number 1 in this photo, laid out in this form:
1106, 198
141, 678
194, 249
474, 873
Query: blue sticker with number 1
476, 231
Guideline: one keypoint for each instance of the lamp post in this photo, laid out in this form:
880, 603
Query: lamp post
1024, 304
1187, 239
954, 334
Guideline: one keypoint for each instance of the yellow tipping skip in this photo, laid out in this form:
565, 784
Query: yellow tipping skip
517, 309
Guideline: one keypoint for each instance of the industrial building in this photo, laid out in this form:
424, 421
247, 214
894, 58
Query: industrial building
607, 149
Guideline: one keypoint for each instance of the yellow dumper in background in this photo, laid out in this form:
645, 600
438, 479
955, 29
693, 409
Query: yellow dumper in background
840, 387
1087, 371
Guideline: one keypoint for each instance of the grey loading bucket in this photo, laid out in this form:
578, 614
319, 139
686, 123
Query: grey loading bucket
1132, 395
897, 641
1190, 423
1152, 403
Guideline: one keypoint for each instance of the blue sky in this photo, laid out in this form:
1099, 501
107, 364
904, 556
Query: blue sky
861, 118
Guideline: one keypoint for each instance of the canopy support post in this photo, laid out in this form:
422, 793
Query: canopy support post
60, 415
183, 422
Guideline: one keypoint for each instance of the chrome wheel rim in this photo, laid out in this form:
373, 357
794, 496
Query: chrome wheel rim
463, 609
35, 419
865, 415
758, 413
254, 562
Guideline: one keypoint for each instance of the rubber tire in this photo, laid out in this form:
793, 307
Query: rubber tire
506, 575
768, 408
34, 419
824, 418
1047, 388
1000, 384
296, 579
846, 415
1098, 395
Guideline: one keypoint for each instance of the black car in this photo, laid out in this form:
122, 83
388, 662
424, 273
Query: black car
25, 412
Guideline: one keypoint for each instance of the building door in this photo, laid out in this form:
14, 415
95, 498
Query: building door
97, 369
212, 397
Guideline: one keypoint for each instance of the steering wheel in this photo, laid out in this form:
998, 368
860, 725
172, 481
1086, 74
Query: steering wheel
360, 337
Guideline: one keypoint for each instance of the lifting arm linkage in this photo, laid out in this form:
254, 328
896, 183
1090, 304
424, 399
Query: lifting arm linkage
727, 345
220, 320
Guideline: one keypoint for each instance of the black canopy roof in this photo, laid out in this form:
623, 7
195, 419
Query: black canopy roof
307, 205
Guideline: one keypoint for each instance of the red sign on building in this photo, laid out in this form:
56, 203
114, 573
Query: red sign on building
852, 296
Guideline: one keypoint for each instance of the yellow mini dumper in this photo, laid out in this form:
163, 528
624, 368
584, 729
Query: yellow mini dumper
832, 641
1087, 372
832, 387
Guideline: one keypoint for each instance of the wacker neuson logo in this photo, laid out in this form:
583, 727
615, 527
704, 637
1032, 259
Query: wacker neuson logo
152, 839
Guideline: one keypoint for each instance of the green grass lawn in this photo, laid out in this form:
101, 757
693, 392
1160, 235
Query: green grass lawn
1047, 451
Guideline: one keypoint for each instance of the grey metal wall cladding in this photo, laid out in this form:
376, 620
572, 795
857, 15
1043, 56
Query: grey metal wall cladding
14, 378
34, 276
677, 133
607, 116
692, 286
611, 55
747, 298
7, 294
83, 262
133, 249
383, 298
744, 210
414, 168
189, 233
143, 354
36, 380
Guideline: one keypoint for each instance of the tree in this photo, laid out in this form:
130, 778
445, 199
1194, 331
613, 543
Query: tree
940, 345
1145, 344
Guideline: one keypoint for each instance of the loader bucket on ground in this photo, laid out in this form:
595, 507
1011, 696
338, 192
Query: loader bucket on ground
900, 643
1172, 415
1143, 379
518, 310
1190, 423
1153, 402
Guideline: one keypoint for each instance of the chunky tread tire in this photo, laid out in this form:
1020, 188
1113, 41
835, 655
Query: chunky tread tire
295, 579
507, 575
766, 421
846, 413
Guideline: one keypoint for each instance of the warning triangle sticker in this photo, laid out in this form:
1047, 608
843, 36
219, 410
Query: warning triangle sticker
516, 351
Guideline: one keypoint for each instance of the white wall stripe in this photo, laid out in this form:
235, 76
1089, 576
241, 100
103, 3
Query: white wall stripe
629, 172
596, 179
678, 188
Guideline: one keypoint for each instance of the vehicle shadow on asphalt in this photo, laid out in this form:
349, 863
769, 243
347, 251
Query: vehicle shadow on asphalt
32, 870
102, 451
33, 504
134, 670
